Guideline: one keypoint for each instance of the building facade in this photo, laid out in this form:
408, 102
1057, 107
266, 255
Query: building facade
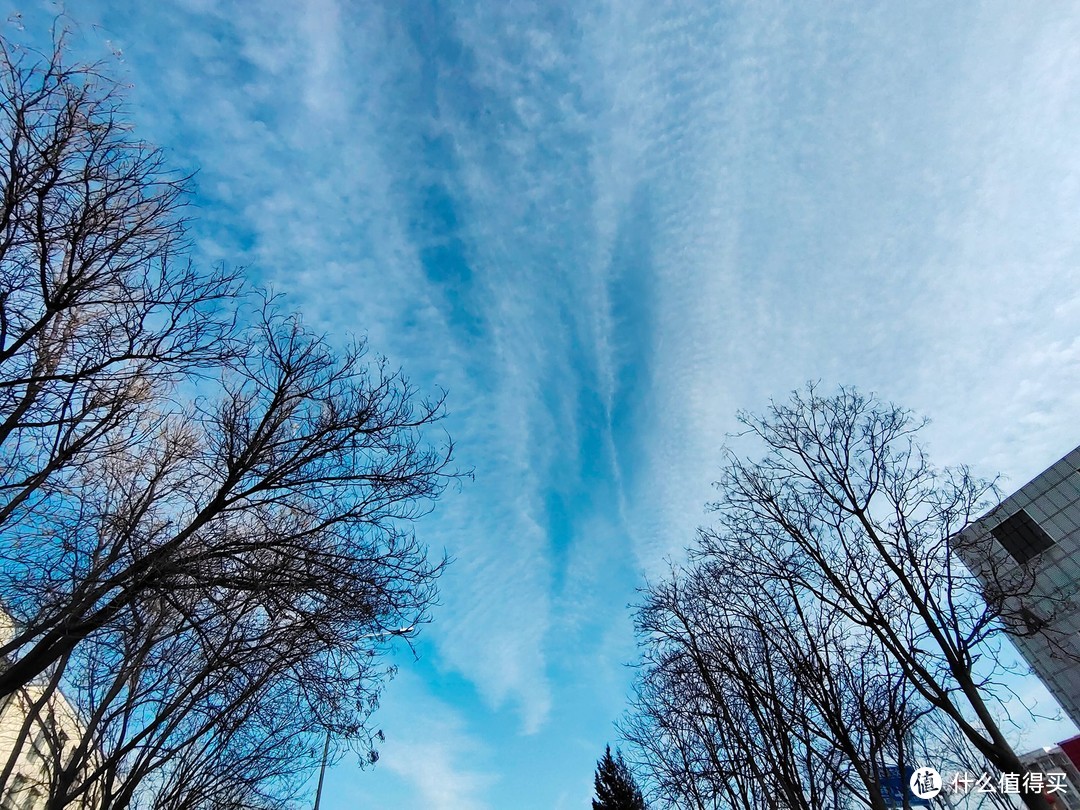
39, 728
1032, 539
1054, 759
30, 748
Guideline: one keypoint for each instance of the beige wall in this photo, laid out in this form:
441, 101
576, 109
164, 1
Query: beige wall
47, 741
50, 738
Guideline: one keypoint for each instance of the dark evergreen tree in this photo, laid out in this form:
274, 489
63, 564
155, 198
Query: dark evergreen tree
615, 786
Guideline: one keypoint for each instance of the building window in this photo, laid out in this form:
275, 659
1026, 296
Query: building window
1022, 537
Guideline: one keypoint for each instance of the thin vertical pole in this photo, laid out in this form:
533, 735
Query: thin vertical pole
322, 771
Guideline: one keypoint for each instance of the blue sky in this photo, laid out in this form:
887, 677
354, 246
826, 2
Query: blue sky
604, 228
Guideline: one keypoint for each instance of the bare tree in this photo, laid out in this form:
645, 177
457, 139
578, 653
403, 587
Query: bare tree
99, 312
205, 520
753, 695
845, 511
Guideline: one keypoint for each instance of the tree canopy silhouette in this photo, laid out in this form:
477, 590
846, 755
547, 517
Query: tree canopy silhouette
615, 786
206, 508
825, 628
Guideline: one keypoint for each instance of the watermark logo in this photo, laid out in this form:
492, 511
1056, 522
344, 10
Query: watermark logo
926, 783
964, 782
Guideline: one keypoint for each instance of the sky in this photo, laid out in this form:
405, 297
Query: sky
604, 228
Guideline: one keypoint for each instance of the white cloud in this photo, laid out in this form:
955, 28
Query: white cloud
430, 758
885, 196
437, 758
840, 197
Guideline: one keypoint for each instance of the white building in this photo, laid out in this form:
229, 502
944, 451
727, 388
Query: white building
1053, 759
1034, 535
44, 743
31, 749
